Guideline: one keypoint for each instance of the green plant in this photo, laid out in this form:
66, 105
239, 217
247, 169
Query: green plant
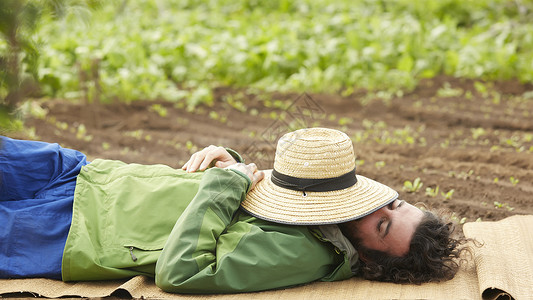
380, 164
383, 47
445, 144
432, 192
503, 205
456, 219
514, 181
191, 147
235, 101
159, 109
20, 21
214, 115
345, 121
81, 133
481, 88
447, 91
412, 187
478, 132
465, 175
448, 195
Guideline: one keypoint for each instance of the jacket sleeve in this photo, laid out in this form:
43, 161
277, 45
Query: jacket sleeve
213, 249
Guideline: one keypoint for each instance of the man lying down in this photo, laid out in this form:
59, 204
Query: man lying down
230, 228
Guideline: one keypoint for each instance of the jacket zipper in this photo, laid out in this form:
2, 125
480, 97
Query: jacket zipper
133, 257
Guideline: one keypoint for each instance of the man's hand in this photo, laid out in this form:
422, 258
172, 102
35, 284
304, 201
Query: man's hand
203, 158
250, 170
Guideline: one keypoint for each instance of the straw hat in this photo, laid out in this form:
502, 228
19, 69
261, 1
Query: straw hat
314, 182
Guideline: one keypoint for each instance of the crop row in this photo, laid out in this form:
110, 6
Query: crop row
175, 50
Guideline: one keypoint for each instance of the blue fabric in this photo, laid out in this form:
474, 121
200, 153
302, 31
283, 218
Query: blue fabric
37, 182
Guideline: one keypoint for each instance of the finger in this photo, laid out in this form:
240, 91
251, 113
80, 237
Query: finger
204, 158
253, 167
195, 164
258, 176
225, 159
224, 164
249, 172
184, 167
196, 160
188, 163
212, 155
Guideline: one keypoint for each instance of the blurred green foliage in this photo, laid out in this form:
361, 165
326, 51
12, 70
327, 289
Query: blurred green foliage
19, 48
180, 50
18, 21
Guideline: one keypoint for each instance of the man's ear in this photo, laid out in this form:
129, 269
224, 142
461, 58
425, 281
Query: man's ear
363, 257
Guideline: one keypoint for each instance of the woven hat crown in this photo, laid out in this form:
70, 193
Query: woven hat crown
314, 182
314, 153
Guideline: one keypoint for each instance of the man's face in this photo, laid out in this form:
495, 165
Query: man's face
390, 229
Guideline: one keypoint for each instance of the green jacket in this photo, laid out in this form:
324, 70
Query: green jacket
187, 230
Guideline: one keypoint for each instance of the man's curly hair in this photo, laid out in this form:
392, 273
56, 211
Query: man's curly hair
433, 254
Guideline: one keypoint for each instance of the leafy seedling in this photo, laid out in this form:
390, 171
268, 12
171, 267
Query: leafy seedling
159, 109
432, 192
503, 205
448, 195
412, 187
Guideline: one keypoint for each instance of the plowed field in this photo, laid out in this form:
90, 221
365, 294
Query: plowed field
452, 134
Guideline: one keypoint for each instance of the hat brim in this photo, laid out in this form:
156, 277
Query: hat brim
270, 202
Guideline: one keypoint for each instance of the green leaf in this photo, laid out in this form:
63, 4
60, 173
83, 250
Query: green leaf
406, 63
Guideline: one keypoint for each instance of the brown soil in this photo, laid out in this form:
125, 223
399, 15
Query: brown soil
445, 132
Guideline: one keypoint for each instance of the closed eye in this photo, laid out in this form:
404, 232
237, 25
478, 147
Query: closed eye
380, 224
